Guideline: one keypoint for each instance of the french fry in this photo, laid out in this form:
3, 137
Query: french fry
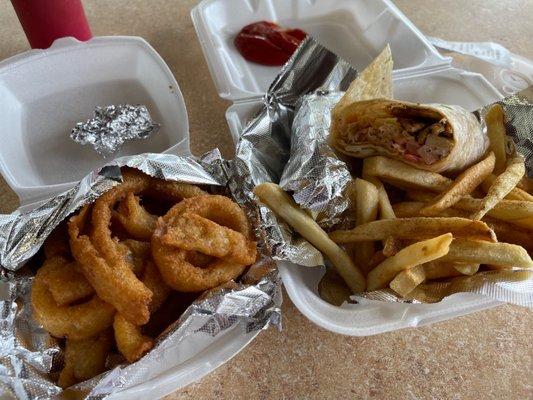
433, 292
407, 280
333, 289
366, 210
284, 206
497, 136
393, 245
467, 269
464, 184
385, 207
404, 176
408, 209
415, 254
502, 185
438, 269
515, 194
414, 228
517, 212
483, 252
509, 233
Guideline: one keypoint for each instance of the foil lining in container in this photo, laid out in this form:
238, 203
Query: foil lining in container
113, 125
29, 356
291, 148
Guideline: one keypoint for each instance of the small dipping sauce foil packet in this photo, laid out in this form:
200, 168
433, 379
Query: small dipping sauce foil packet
113, 125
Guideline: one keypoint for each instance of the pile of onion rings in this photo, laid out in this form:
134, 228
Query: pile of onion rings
115, 264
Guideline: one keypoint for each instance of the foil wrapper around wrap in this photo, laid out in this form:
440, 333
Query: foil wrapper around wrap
28, 353
264, 147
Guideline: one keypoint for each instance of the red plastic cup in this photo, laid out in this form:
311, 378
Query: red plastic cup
44, 21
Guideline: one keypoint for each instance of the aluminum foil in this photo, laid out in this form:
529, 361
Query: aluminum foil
264, 147
30, 358
304, 164
113, 125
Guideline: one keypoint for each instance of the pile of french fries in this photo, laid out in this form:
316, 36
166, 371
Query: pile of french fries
422, 234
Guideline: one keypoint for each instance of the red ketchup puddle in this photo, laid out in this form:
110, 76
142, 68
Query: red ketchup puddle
267, 43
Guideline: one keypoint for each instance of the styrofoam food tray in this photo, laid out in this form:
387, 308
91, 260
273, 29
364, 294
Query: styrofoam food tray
43, 93
357, 30
449, 86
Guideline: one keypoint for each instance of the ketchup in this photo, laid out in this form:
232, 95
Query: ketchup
267, 43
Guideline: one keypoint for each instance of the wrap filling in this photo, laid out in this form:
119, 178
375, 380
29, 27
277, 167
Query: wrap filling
418, 135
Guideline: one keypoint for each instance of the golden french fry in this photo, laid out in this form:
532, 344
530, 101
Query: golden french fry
509, 233
464, 184
514, 211
438, 269
407, 280
433, 292
385, 207
415, 254
523, 222
333, 289
408, 209
404, 176
366, 210
497, 135
502, 185
483, 252
467, 269
284, 206
414, 228
526, 184
393, 245
515, 194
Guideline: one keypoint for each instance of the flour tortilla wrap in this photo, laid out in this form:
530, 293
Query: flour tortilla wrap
448, 139
433, 137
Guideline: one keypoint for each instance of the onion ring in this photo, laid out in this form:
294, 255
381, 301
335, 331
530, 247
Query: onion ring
64, 281
193, 232
85, 358
174, 262
77, 322
134, 218
133, 303
129, 338
114, 281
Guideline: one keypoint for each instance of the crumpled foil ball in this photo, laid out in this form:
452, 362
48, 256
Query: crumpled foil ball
112, 125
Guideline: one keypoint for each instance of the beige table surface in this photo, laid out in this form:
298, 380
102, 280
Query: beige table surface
486, 355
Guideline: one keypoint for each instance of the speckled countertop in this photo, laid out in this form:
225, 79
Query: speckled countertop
486, 355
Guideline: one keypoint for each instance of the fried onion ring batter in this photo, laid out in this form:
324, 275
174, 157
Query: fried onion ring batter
178, 234
129, 338
77, 322
85, 358
65, 281
113, 279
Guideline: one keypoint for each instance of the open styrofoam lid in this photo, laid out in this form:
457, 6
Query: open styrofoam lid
356, 30
43, 93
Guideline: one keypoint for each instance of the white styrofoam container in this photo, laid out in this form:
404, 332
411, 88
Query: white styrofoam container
357, 30
43, 93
